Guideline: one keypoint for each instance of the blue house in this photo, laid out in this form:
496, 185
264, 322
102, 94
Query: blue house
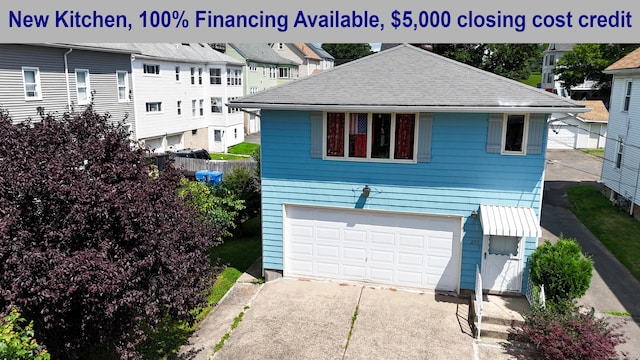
403, 168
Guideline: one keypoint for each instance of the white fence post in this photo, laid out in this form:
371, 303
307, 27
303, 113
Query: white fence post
478, 300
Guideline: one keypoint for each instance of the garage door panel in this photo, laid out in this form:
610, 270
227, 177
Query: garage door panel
328, 269
388, 248
410, 259
381, 238
355, 236
328, 251
411, 241
302, 249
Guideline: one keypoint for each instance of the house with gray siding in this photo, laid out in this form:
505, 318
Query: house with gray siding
55, 78
621, 165
263, 68
417, 183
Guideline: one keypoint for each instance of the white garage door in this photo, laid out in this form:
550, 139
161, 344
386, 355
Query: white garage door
561, 137
387, 248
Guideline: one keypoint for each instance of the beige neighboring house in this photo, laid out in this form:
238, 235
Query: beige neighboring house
302, 53
579, 131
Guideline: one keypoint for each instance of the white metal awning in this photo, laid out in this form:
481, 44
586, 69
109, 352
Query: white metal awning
509, 221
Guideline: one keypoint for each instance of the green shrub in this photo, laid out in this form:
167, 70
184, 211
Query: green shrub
244, 185
563, 270
18, 342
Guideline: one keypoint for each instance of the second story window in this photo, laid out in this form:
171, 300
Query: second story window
283, 72
193, 76
199, 76
177, 73
83, 91
151, 69
154, 106
215, 77
31, 79
514, 134
627, 96
123, 86
234, 77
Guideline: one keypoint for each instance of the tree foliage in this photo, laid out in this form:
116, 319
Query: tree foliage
91, 245
572, 336
18, 342
514, 61
346, 52
587, 61
563, 270
217, 206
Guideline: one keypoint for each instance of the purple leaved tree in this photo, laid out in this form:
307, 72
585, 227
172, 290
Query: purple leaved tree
92, 247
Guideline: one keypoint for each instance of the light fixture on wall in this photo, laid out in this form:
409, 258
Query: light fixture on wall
474, 213
366, 190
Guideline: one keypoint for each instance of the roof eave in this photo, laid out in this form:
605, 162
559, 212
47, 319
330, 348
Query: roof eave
622, 71
410, 108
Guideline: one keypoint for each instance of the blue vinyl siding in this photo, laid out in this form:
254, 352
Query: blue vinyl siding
460, 176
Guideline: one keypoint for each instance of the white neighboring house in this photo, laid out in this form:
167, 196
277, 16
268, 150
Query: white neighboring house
579, 131
550, 80
621, 166
180, 92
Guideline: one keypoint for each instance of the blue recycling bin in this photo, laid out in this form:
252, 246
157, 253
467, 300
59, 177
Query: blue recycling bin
209, 177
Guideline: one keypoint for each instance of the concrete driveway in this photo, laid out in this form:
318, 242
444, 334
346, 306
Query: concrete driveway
613, 288
297, 319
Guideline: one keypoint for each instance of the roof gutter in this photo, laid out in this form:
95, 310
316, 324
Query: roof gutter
411, 108
66, 77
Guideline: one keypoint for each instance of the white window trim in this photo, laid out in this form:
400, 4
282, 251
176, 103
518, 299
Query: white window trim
619, 154
627, 95
144, 73
368, 158
87, 86
525, 135
160, 111
126, 85
38, 95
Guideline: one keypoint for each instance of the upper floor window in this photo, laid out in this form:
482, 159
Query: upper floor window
179, 107
154, 106
31, 80
233, 110
627, 96
83, 90
283, 72
216, 105
200, 76
273, 71
514, 133
177, 73
215, 77
193, 76
234, 77
371, 136
253, 66
151, 69
619, 154
123, 85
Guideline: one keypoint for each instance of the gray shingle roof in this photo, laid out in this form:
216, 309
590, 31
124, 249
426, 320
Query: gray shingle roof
186, 52
320, 51
260, 52
409, 78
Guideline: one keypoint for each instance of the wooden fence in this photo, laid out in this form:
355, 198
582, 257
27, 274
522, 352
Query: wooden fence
225, 166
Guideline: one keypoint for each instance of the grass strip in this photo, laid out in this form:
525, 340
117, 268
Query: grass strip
618, 231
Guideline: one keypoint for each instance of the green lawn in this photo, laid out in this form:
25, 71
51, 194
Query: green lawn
595, 152
533, 80
618, 231
243, 148
221, 156
236, 255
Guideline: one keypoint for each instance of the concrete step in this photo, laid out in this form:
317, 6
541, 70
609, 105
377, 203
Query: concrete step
494, 331
505, 321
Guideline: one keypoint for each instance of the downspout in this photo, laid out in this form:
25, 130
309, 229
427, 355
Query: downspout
66, 77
